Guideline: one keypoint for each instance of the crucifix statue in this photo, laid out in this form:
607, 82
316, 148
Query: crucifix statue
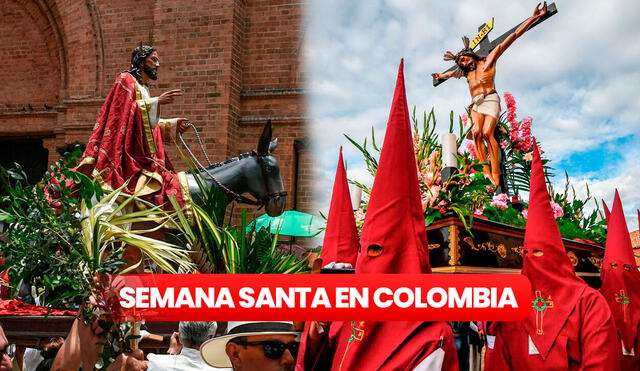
479, 67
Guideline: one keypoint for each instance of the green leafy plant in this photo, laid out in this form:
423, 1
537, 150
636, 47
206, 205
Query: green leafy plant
574, 223
63, 235
468, 194
42, 228
463, 192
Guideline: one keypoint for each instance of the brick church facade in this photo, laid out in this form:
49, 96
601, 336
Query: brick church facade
238, 63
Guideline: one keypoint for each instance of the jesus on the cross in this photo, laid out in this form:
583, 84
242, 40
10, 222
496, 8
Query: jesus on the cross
480, 72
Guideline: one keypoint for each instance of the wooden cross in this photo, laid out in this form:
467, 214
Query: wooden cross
623, 299
540, 305
486, 46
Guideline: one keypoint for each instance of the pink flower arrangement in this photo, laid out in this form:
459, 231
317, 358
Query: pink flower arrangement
442, 206
511, 108
557, 210
432, 194
519, 132
479, 211
500, 201
525, 213
525, 135
465, 119
359, 215
471, 148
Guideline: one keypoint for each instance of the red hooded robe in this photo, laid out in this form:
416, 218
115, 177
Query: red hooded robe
125, 147
570, 325
394, 240
341, 236
621, 286
340, 246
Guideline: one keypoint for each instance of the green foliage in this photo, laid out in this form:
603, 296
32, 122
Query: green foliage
63, 234
506, 216
467, 192
258, 252
574, 223
42, 227
463, 192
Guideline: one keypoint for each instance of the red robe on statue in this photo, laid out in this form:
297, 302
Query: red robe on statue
127, 145
570, 326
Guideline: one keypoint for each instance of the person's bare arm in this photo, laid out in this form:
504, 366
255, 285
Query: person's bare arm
68, 357
497, 52
442, 76
133, 361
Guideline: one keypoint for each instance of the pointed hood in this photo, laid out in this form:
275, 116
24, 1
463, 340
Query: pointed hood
554, 284
394, 238
606, 211
620, 276
341, 236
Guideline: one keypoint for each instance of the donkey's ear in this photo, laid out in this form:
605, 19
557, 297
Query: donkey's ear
273, 145
265, 139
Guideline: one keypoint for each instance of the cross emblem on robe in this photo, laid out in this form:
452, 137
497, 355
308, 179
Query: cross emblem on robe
540, 305
623, 299
485, 46
358, 333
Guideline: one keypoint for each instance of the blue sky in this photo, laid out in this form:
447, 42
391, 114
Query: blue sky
576, 74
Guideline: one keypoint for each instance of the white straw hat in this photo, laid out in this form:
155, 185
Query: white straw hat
213, 351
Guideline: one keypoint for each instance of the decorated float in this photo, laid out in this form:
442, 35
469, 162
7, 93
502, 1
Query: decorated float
64, 237
472, 228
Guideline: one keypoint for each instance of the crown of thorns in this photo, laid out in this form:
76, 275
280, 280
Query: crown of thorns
466, 51
449, 56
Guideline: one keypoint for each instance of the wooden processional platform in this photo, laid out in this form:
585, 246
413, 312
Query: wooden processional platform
493, 247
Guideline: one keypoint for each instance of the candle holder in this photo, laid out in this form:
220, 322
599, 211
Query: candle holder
447, 172
449, 159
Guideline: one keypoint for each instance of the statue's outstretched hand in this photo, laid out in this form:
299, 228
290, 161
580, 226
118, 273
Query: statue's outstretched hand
540, 11
168, 96
437, 76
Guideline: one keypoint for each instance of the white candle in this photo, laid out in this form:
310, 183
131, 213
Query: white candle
356, 196
449, 150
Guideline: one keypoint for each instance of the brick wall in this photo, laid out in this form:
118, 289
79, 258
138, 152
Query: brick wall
29, 70
237, 62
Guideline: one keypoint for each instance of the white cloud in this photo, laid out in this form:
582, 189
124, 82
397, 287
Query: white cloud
575, 74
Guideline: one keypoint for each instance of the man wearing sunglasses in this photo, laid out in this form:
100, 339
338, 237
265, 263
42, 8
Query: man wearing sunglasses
248, 346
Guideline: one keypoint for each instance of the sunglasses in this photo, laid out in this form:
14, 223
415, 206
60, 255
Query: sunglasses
273, 349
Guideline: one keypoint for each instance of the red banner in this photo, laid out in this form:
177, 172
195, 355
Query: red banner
324, 297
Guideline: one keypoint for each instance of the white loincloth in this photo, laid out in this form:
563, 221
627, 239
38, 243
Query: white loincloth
487, 104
